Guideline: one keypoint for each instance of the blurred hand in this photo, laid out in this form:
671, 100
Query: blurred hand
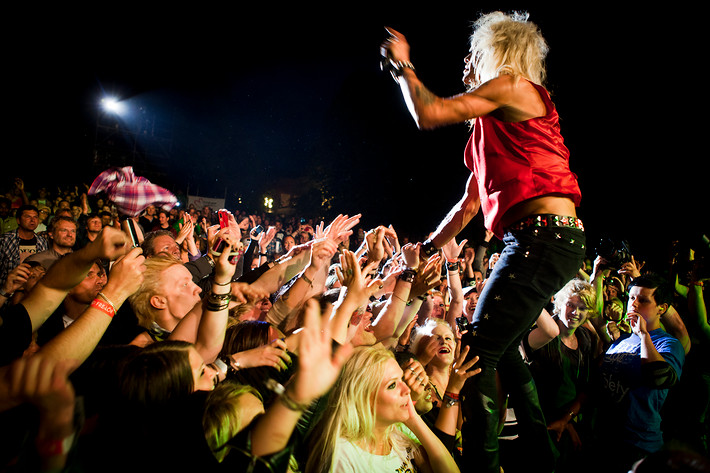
17, 278
273, 354
110, 244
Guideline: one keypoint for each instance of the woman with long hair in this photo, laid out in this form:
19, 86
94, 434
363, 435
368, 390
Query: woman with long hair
370, 423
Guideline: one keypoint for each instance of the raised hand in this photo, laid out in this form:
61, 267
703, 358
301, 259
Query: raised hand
341, 227
110, 244
461, 371
318, 365
359, 285
395, 47
452, 250
17, 278
126, 276
322, 252
427, 277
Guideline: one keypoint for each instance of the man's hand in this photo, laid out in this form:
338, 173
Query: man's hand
637, 323
17, 278
126, 276
110, 244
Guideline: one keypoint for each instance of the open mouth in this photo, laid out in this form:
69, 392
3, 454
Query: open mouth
444, 350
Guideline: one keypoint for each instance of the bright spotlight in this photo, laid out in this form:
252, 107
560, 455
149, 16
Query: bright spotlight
112, 105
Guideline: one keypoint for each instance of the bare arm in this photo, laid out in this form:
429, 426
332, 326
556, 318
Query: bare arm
546, 330
675, 326
459, 216
78, 340
68, 272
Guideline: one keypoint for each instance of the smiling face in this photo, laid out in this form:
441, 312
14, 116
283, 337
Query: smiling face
446, 344
392, 403
64, 234
470, 302
575, 312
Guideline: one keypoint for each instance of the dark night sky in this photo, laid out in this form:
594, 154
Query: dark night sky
264, 91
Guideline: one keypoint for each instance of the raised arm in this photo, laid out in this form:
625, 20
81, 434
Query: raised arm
545, 330
78, 340
318, 367
69, 271
675, 326
388, 320
452, 250
428, 109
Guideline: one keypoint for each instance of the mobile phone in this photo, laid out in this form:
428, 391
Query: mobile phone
463, 324
132, 232
258, 229
220, 244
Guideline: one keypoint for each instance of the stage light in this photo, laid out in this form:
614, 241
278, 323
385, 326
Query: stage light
112, 105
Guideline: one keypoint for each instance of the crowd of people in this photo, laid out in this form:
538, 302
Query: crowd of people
199, 339
113, 353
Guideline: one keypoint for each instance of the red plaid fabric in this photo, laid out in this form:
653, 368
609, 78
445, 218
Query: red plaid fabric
131, 194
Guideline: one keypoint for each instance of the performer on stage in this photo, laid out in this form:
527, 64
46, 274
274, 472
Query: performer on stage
521, 180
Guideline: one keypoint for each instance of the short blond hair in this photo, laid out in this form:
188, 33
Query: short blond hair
151, 286
507, 44
576, 287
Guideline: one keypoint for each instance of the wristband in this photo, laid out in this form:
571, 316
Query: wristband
103, 307
292, 405
449, 400
428, 248
113, 306
452, 266
50, 448
408, 275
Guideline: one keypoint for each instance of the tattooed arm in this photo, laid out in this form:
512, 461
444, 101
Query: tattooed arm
516, 99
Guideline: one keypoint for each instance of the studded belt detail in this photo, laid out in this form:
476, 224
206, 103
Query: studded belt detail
545, 220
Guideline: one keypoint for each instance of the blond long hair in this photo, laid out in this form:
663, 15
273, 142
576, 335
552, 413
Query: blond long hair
507, 44
350, 412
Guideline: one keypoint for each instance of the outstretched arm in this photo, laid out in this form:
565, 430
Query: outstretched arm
69, 271
429, 110
459, 216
